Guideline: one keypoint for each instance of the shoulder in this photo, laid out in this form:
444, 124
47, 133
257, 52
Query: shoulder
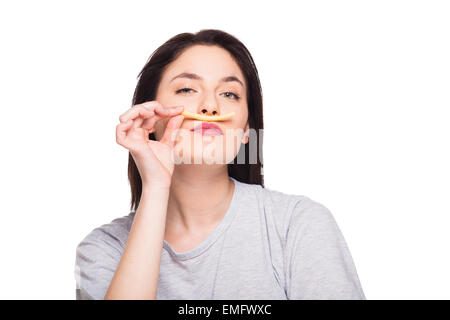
109, 235
290, 211
97, 256
300, 214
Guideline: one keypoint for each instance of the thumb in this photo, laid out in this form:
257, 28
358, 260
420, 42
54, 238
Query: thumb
171, 130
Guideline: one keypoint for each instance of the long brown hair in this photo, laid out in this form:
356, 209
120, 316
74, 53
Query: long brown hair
149, 79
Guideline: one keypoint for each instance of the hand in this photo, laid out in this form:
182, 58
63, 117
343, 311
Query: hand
154, 159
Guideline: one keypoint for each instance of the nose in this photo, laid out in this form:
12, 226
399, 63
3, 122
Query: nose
209, 111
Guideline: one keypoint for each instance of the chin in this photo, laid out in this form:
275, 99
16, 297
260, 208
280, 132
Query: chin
209, 155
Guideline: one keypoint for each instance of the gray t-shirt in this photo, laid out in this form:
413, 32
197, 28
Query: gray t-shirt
269, 245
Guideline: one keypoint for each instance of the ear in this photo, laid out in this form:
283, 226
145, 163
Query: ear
246, 134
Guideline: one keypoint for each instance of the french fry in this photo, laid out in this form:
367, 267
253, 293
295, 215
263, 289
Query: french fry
196, 116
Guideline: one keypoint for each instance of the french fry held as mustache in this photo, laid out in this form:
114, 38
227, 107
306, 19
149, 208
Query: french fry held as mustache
196, 116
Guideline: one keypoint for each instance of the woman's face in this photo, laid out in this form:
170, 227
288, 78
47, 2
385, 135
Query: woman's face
205, 80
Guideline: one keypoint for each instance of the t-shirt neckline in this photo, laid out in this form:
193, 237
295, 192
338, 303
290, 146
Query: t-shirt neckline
215, 234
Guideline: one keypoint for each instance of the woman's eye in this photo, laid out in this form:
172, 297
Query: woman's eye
183, 90
230, 95
236, 97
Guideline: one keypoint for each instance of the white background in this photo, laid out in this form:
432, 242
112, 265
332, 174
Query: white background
356, 103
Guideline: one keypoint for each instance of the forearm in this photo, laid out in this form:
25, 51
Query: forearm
137, 274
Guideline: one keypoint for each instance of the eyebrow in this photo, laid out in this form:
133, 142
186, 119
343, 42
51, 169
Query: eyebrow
197, 77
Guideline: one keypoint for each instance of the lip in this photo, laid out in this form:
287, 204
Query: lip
208, 129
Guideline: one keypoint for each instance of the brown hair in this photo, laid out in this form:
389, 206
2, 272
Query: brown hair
149, 79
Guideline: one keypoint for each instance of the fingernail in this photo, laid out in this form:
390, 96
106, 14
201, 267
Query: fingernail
176, 109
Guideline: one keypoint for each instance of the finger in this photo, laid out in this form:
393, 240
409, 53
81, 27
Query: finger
169, 111
135, 112
138, 122
121, 131
160, 114
149, 124
172, 126
150, 104
159, 108
141, 117
156, 113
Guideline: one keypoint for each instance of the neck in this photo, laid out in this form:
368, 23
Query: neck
199, 197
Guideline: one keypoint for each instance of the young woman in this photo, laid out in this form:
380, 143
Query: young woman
202, 225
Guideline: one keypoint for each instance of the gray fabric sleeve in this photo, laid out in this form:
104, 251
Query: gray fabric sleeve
97, 257
318, 261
